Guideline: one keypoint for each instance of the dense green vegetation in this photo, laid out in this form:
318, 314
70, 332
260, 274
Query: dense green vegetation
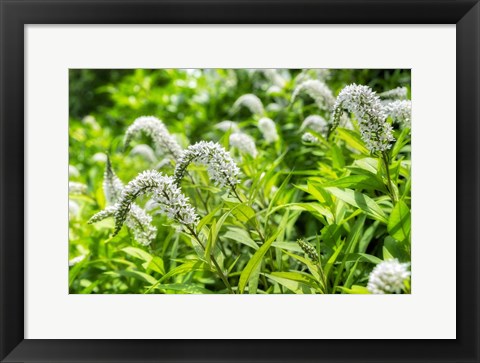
305, 190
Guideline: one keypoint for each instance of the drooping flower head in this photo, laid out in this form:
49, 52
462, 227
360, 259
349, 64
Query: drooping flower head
244, 143
163, 190
400, 112
251, 102
309, 250
220, 165
76, 188
155, 129
136, 219
268, 129
275, 77
388, 277
315, 123
321, 94
399, 93
112, 185
227, 125
366, 106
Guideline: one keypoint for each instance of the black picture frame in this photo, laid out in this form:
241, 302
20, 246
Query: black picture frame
15, 14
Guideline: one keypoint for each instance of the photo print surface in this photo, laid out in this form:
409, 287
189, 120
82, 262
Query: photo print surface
239, 181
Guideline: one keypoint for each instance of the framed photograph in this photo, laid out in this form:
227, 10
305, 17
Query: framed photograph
270, 181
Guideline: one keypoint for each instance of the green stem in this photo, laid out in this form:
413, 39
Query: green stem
389, 179
212, 257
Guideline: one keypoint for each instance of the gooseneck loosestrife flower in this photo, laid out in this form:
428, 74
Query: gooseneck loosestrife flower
251, 102
244, 143
319, 91
76, 188
268, 129
400, 111
309, 250
167, 195
227, 125
399, 93
137, 218
308, 138
315, 123
376, 132
388, 277
156, 130
220, 166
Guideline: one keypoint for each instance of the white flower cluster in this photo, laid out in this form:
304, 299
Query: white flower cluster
268, 129
308, 138
315, 123
399, 93
227, 125
155, 129
220, 165
318, 73
400, 112
275, 77
165, 193
251, 102
244, 143
112, 185
141, 224
76, 260
321, 94
388, 277
73, 209
76, 188
136, 219
73, 172
366, 106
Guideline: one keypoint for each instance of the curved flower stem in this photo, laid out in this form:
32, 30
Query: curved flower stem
212, 257
390, 183
234, 190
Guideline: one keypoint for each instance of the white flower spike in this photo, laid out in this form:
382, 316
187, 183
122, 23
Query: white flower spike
155, 129
315, 123
244, 143
251, 102
388, 277
321, 94
399, 93
268, 129
220, 165
400, 112
366, 106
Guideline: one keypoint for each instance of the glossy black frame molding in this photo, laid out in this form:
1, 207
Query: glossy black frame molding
17, 13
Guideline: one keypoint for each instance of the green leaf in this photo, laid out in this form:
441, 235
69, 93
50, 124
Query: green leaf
295, 281
357, 182
188, 266
156, 264
241, 236
256, 260
353, 140
134, 274
360, 201
138, 253
184, 288
354, 290
399, 223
